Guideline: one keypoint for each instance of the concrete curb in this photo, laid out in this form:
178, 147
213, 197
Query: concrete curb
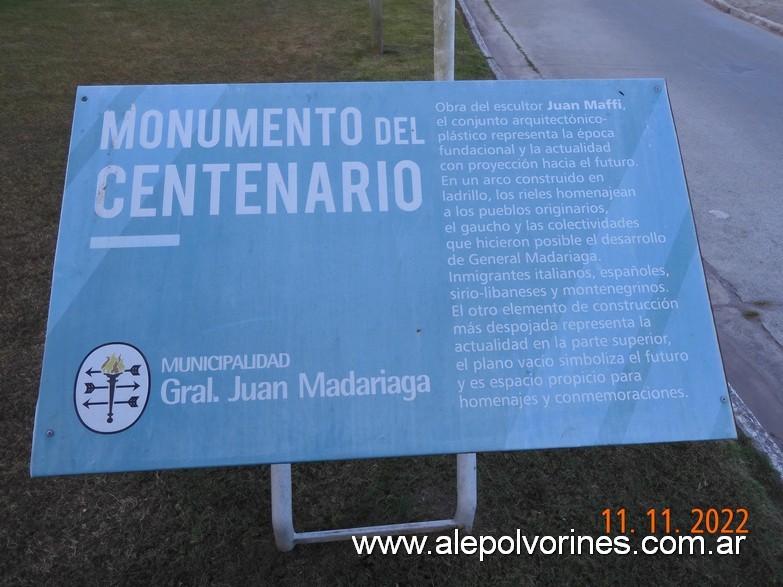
724, 6
763, 442
474, 32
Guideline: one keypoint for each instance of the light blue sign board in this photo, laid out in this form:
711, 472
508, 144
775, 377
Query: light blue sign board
301, 272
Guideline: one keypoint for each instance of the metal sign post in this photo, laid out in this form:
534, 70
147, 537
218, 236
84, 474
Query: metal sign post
443, 17
282, 500
286, 537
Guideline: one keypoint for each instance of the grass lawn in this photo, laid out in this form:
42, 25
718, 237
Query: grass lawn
213, 526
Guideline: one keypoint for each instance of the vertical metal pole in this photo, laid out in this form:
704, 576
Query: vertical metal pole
376, 8
466, 491
444, 22
443, 18
282, 508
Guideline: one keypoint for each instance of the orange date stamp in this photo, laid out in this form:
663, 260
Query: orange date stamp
715, 521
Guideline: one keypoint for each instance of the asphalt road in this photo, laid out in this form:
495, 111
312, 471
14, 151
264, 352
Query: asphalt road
725, 80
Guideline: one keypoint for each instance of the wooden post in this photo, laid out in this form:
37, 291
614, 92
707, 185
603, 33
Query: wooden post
377, 25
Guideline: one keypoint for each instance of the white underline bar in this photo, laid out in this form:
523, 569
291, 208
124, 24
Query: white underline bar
131, 242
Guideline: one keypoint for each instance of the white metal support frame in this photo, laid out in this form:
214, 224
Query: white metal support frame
283, 520
282, 501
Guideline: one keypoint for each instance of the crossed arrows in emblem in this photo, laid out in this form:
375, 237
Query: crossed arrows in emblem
112, 386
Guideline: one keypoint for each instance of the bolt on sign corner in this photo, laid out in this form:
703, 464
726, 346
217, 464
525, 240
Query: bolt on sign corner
298, 272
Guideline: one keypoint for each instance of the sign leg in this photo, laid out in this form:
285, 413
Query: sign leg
466, 491
282, 508
283, 521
